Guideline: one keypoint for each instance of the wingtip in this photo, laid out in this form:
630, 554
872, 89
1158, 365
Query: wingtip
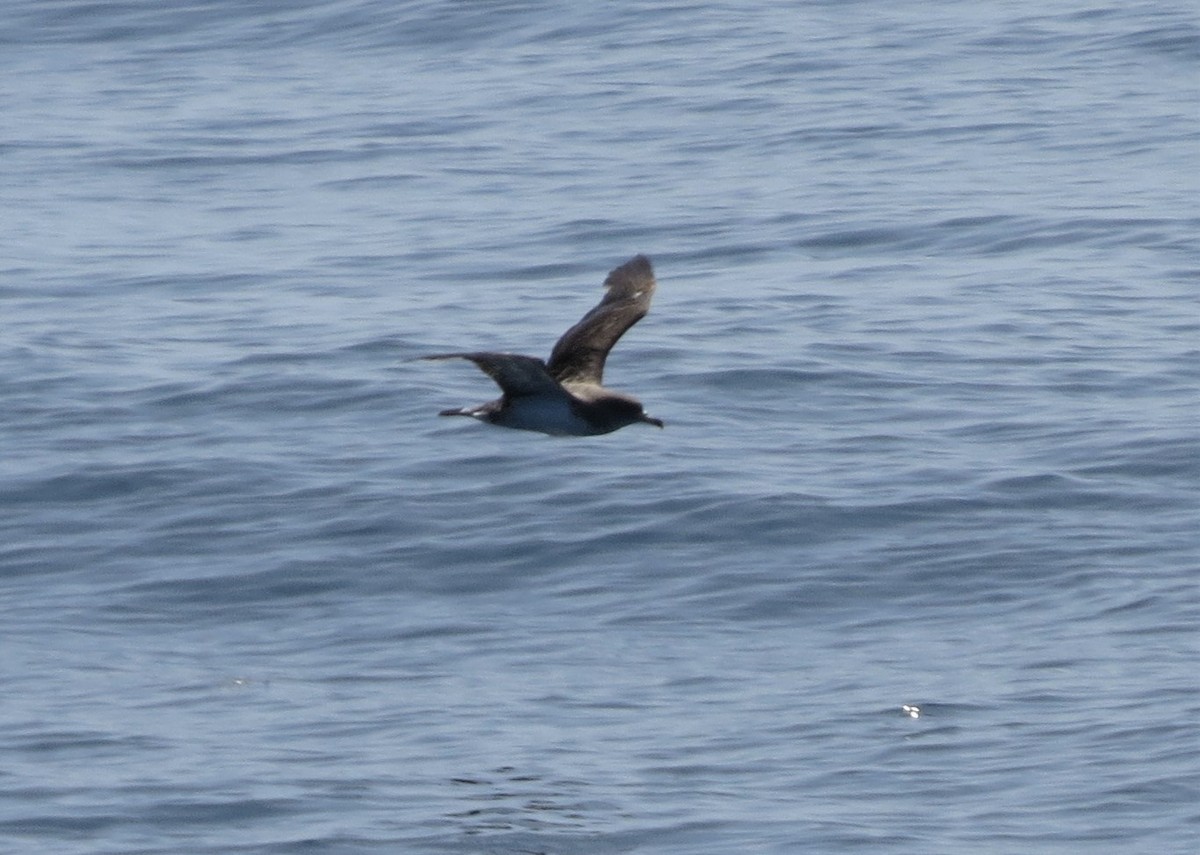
638, 266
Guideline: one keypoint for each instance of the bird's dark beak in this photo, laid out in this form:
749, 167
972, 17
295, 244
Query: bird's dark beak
650, 420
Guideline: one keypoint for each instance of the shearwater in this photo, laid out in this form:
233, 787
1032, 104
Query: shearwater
564, 396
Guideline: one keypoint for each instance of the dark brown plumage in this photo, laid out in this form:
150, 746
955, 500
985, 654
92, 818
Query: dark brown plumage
565, 396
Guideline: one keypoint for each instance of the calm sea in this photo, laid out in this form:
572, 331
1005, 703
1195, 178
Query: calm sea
912, 568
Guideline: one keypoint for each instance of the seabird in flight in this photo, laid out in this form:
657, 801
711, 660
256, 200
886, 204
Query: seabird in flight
564, 396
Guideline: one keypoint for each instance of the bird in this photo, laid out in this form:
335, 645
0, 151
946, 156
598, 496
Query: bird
564, 396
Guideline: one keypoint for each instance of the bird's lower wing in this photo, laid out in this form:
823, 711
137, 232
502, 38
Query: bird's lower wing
515, 374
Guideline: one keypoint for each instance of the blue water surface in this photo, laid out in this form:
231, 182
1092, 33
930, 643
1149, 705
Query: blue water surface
912, 568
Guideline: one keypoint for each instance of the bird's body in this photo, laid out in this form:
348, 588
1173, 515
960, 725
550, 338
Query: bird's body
565, 396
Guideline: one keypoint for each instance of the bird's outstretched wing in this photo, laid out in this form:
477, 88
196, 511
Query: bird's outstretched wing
517, 375
579, 355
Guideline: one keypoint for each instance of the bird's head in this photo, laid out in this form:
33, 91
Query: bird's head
625, 410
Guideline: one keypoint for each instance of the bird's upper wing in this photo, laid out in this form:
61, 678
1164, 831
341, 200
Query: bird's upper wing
516, 375
579, 355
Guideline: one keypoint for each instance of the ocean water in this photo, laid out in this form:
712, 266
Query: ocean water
913, 566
